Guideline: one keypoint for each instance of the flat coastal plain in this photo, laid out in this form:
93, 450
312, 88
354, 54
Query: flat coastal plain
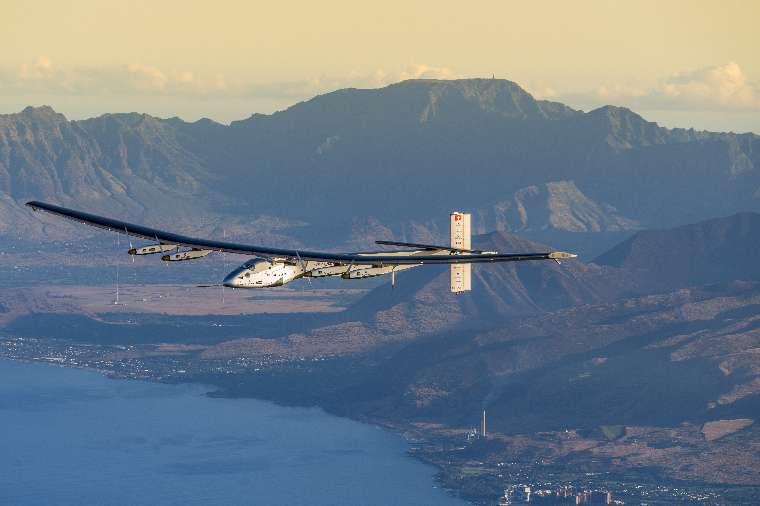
177, 299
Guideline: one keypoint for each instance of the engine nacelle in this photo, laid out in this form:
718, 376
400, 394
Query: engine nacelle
328, 270
368, 272
186, 255
152, 249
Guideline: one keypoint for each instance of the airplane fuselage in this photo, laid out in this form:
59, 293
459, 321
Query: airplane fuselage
262, 273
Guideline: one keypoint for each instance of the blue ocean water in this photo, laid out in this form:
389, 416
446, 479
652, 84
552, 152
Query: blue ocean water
70, 436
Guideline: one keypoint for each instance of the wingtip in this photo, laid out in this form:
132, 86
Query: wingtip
561, 255
37, 205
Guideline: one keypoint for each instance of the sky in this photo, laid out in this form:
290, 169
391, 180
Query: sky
680, 63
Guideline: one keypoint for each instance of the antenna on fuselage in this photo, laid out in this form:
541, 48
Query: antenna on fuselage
129, 238
224, 262
118, 247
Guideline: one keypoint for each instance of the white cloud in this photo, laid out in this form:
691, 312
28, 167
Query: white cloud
722, 85
719, 87
308, 87
146, 79
40, 69
41, 75
424, 72
540, 90
45, 77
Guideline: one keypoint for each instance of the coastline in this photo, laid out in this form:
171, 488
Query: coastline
471, 470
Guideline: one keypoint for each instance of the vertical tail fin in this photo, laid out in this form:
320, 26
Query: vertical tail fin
459, 230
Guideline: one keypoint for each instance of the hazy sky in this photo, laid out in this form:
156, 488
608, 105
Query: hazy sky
688, 63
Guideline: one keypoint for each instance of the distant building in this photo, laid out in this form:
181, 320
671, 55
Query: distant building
505, 499
583, 497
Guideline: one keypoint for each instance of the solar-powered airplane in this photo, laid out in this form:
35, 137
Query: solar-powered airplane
277, 266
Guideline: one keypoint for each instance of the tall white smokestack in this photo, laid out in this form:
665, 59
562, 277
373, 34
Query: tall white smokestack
483, 431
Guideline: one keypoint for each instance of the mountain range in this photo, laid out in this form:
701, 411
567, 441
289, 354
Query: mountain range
399, 158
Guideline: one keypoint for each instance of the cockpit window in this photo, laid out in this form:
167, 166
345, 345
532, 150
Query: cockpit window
257, 265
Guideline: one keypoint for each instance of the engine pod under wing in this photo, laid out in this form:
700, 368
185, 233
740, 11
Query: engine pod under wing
186, 255
152, 249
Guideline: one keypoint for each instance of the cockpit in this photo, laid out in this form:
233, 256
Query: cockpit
245, 276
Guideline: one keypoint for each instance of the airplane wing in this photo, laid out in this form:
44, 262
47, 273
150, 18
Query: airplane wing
163, 237
428, 247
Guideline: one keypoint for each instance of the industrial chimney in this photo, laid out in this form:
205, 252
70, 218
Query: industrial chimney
483, 429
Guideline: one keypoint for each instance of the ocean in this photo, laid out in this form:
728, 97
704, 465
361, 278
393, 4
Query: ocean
70, 436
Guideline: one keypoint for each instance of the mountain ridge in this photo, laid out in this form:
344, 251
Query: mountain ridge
422, 146
711, 251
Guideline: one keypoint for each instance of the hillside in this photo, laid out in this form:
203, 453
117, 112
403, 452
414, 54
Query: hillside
716, 250
421, 304
574, 369
652, 262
